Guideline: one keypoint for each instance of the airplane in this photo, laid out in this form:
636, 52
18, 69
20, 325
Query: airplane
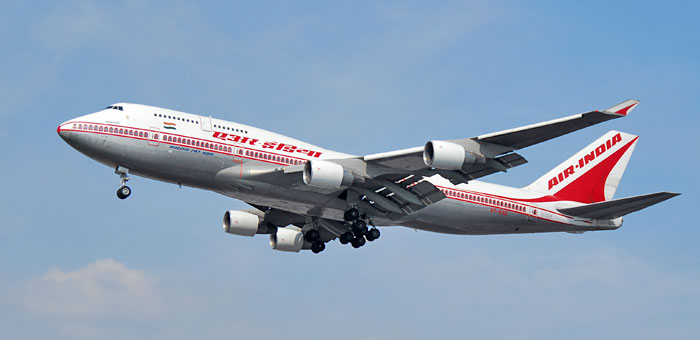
305, 196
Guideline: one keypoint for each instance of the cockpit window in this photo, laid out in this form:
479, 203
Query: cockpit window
113, 107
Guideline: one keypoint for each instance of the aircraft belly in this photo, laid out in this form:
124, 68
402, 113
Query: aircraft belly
468, 218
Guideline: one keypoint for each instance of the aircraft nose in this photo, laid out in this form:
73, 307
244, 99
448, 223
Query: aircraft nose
61, 130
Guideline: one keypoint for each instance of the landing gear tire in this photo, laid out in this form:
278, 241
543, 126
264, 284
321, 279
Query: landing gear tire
358, 242
351, 214
124, 192
346, 238
312, 235
359, 228
318, 247
373, 234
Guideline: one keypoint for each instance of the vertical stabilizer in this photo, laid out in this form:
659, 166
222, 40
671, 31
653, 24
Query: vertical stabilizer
591, 175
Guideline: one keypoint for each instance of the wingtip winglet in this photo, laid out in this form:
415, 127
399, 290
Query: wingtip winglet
623, 108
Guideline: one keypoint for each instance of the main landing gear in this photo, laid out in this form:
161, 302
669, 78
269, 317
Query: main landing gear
359, 233
124, 191
314, 237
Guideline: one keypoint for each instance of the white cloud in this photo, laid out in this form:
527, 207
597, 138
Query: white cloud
102, 288
490, 293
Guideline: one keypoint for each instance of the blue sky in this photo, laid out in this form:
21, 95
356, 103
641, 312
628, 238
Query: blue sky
362, 77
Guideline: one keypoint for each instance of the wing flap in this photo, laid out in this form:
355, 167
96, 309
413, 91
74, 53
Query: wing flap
617, 208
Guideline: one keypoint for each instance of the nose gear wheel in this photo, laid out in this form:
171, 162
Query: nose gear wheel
124, 191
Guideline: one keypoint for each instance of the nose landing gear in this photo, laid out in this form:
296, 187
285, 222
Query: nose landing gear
124, 191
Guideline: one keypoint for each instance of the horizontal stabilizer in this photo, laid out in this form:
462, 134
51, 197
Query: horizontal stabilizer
609, 210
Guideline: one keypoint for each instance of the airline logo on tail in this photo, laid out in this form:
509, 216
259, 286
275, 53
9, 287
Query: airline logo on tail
592, 174
583, 162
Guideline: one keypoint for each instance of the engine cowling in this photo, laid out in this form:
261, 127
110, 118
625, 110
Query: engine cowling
246, 224
287, 239
327, 175
447, 156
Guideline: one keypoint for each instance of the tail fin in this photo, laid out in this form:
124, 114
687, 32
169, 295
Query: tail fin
591, 175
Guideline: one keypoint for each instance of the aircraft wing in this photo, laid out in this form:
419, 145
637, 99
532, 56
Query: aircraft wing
525, 136
496, 148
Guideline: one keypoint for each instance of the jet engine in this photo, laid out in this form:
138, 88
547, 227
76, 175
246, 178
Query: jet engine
246, 224
447, 156
287, 239
327, 175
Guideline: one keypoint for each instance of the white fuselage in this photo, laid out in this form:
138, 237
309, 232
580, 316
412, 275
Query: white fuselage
224, 157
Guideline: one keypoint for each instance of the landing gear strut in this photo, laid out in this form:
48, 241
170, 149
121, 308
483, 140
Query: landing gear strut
124, 191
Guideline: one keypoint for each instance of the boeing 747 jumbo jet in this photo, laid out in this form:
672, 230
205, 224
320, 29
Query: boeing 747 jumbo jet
304, 196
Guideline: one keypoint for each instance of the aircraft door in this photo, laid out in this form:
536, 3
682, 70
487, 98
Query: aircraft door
205, 123
238, 158
153, 136
532, 212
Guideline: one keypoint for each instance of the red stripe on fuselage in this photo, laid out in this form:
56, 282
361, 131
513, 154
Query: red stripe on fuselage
302, 160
